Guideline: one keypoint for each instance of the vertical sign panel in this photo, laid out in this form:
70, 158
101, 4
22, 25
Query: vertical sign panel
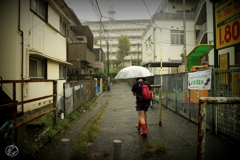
236, 84
224, 65
227, 23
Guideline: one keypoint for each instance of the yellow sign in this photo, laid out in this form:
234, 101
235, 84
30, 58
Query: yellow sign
223, 59
227, 23
236, 84
223, 66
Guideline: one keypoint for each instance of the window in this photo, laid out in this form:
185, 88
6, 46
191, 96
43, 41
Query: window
62, 28
62, 72
37, 68
176, 37
39, 8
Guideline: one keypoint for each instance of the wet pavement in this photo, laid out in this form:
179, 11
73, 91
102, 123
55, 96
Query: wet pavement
176, 132
118, 121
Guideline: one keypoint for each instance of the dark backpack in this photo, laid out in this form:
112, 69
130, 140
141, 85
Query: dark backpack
145, 91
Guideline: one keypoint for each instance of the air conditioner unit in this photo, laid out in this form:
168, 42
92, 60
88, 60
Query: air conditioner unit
82, 39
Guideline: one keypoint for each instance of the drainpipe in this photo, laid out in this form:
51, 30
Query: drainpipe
21, 33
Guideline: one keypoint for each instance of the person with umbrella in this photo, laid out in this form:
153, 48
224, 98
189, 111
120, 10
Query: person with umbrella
135, 72
142, 105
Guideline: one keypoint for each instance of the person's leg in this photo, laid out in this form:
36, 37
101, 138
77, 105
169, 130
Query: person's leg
142, 117
143, 122
138, 125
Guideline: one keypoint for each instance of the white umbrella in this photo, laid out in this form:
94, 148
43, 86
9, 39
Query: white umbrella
133, 72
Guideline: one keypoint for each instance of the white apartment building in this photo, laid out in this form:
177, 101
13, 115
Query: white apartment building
167, 32
114, 29
163, 39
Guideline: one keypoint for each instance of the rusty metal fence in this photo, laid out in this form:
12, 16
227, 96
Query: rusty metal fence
13, 105
75, 94
234, 126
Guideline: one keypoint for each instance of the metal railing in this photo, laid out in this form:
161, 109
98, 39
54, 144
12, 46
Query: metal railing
201, 33
203, 102
15, 103
199, 7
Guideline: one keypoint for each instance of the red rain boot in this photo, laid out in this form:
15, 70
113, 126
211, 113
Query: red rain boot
138, 126
144, 130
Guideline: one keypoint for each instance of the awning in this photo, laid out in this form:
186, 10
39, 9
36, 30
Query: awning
194, 58
40, 54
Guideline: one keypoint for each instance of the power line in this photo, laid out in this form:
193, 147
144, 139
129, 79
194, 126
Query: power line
94, 9
150, 15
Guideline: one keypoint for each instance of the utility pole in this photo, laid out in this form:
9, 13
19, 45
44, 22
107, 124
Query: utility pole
184, 37
100, 36
108, 84
138, 55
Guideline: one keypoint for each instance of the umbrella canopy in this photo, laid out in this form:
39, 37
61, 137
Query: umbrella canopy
133, 72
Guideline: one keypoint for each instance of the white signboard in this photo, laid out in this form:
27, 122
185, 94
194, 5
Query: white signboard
200, 80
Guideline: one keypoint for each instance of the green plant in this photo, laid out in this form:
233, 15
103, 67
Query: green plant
74, 115
105, 153
88, 134
100, 74
153, 149
79, 150
30, 150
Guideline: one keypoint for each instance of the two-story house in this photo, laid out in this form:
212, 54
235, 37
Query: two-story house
37, 42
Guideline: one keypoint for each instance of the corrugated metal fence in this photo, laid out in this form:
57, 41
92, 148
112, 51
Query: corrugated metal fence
76, 93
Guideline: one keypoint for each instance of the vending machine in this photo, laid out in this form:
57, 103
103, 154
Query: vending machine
195, 63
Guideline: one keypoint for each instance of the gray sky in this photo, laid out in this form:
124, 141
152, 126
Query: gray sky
125, 9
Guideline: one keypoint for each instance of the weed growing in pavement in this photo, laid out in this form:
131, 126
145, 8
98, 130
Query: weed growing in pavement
106, 102
105, 153
153, 149
88, 135
74, 115
31, 149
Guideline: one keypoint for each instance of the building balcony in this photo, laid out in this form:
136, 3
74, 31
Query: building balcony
168, 17
84, 31
80, 52
173, 16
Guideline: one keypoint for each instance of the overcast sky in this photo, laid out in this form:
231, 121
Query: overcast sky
125, 9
